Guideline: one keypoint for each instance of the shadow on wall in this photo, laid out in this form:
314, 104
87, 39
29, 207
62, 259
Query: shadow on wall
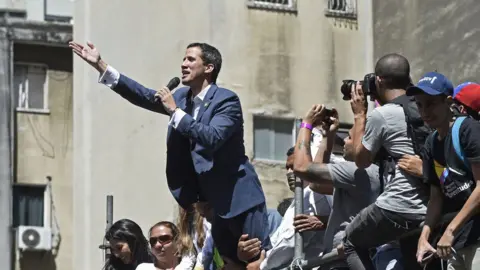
36, 261
435, 35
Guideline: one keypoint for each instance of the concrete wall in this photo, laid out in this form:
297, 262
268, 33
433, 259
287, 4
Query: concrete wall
44, 148
278, 63
434, 35
39, 10
294, 61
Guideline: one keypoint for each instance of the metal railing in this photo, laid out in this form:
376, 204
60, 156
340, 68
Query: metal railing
105, 246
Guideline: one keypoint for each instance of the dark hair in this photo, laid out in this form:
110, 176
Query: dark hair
290, 151
167, 224
283, 206
127, 231
394, 69
469, 111
210, 55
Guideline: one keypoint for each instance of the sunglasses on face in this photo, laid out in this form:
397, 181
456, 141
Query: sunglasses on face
162, 239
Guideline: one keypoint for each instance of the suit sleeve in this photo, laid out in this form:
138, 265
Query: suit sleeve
131, 90
226, 120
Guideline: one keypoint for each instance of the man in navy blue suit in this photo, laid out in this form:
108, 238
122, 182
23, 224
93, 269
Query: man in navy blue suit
206, 158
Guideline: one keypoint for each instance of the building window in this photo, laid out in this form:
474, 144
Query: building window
31, 87
342, 8
273, 137
28, 205
282, 5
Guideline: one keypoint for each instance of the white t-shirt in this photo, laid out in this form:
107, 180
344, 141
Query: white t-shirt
146, 266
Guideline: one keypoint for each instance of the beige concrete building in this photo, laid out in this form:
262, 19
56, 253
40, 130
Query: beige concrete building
44, 146
36, 119
434, 35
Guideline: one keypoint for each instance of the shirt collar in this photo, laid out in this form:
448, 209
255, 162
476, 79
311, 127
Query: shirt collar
201, 96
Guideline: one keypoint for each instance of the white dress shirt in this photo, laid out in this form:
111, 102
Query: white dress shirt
283, 240
111, 76
197, 102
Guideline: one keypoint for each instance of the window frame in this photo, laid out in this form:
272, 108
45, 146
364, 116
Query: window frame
347, 13
259, 4
46, 203
272, 140
45, 109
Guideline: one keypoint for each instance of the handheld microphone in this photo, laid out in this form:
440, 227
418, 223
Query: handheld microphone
174, 82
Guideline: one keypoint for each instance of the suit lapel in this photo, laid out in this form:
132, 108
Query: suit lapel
182, 101
206, 101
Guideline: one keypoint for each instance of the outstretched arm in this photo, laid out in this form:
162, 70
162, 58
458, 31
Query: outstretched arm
304, 167
129, 89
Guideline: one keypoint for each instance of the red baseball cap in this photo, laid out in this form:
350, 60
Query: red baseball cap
468, 94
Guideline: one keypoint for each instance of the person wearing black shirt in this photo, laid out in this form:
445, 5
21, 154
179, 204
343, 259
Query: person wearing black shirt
453, 181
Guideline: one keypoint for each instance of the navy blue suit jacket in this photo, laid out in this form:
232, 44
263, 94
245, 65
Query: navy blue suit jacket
205, 157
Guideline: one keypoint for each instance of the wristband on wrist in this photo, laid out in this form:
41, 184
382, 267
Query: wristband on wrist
306, 125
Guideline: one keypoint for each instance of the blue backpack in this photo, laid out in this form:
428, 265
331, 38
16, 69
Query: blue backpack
456, 141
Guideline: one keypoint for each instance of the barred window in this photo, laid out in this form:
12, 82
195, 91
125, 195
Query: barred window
272, 137
342, 8
282, 5
30, 86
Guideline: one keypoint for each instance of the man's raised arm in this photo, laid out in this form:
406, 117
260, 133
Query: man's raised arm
129, 89
303, 166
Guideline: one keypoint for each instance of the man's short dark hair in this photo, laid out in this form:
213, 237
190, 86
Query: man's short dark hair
290, 151
283, 206
394, 69
210, 55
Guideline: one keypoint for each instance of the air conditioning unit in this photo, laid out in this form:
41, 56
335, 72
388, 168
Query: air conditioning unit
34, 238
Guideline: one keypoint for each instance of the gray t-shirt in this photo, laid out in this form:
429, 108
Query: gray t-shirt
355, 189
386, 127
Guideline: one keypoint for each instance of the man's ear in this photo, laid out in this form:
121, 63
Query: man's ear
210, 68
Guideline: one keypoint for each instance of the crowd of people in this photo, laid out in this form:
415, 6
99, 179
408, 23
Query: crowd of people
406, 163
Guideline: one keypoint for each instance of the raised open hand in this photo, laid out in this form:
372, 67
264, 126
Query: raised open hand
88, 53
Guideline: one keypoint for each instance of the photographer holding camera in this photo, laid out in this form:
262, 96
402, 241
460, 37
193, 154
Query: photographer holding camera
394, 127
355, 188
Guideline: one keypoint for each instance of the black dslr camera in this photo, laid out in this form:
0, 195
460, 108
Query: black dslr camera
368, 86
328, 113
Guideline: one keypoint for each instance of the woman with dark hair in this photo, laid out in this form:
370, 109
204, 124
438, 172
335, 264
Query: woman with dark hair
164, 242
128, 246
